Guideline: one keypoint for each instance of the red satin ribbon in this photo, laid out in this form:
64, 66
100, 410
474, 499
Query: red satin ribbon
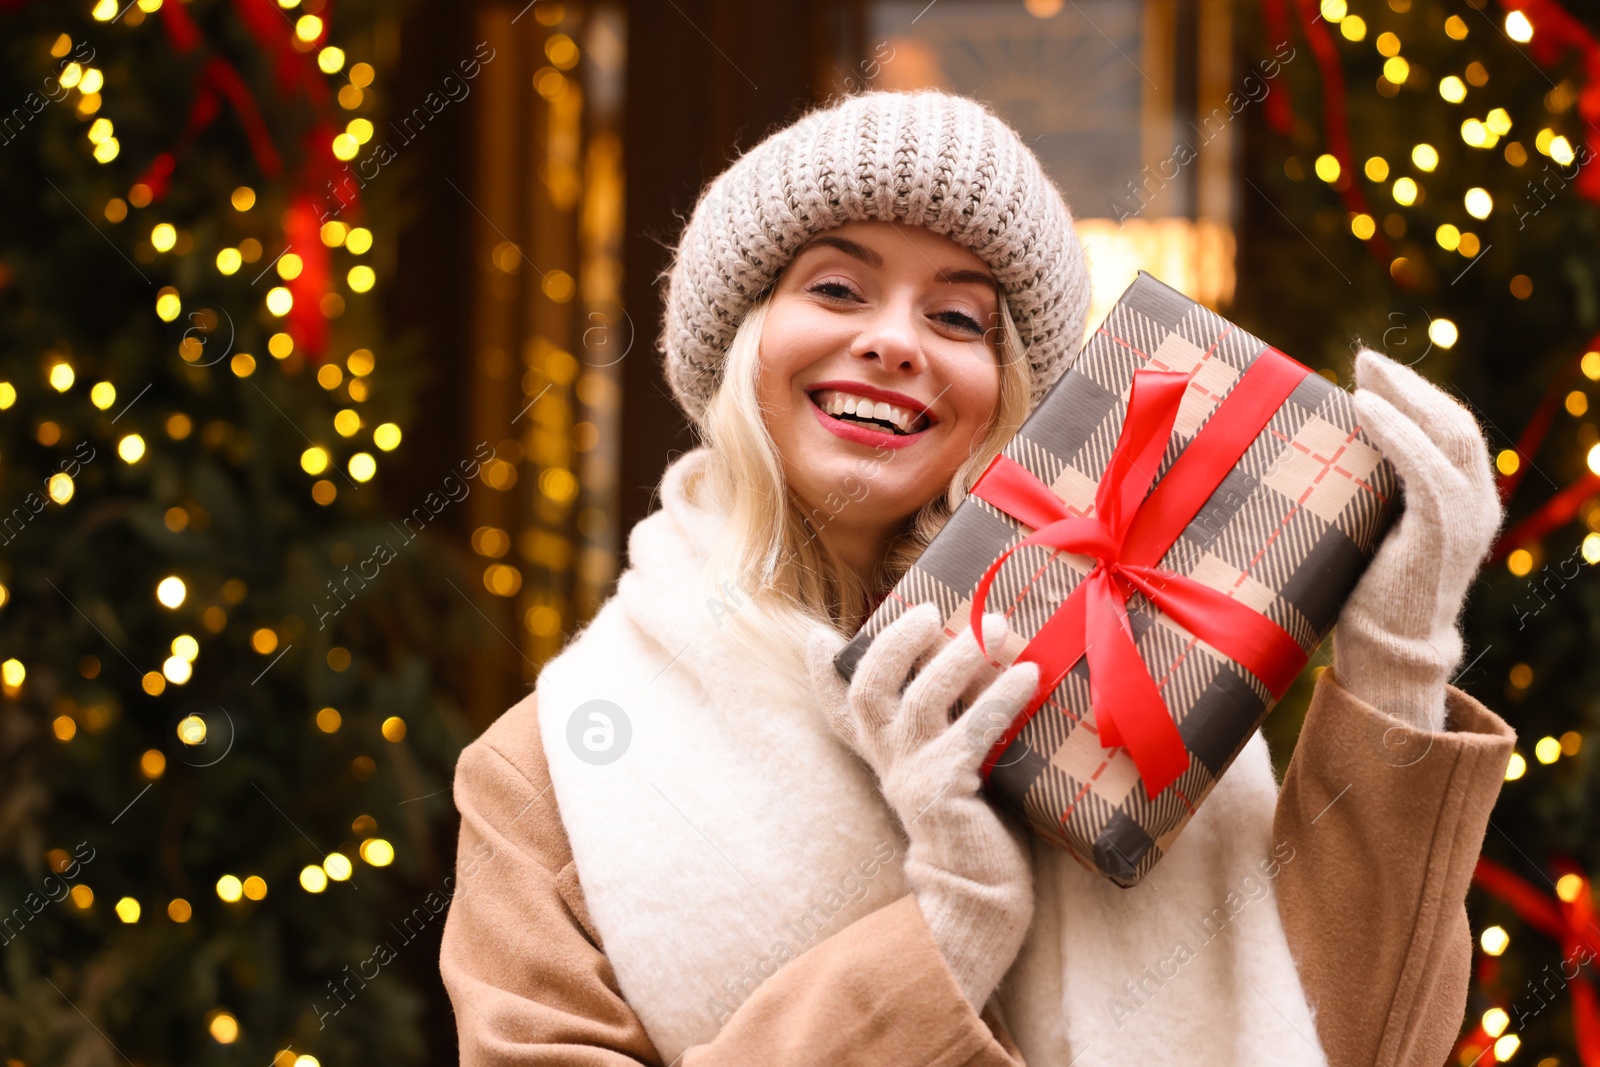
1572, 926
1127, 533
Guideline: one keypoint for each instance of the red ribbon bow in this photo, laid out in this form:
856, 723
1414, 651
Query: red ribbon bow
1127, 533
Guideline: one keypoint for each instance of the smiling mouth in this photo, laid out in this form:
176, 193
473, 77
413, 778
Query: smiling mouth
886, 418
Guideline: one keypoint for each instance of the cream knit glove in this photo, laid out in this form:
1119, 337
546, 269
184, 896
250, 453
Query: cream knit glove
1396, 641
968, 869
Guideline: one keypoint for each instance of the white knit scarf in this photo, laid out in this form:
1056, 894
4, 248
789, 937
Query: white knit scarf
734, 832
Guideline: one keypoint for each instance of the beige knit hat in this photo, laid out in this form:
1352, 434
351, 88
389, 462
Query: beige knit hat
927, 158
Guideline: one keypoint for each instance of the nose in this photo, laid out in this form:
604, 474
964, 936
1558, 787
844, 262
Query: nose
889, 335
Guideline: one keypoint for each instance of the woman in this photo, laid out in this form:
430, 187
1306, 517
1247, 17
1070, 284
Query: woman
779, 868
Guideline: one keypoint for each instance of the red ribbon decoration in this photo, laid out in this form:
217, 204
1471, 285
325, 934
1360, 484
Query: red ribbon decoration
1569, 924
1127, 533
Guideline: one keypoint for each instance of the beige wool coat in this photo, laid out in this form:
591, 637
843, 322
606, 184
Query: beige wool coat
1386, 822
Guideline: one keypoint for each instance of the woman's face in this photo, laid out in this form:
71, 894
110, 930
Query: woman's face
875, 329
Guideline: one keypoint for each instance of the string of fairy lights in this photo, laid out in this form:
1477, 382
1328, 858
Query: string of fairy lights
1484, 131
349, 382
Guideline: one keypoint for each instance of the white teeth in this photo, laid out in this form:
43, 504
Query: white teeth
834, 402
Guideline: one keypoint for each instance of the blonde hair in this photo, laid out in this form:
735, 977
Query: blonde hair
774, 575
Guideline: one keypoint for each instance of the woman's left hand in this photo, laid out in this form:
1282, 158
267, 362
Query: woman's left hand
1396, 641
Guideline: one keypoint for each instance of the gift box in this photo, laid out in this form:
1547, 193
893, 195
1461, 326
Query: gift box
1171, 533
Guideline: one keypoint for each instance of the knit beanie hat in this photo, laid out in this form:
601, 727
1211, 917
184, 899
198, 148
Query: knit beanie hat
927, 158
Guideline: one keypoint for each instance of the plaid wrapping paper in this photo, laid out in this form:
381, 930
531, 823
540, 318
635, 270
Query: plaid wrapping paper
1288, 532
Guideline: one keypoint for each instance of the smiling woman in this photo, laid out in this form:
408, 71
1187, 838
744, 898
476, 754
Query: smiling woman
860, 313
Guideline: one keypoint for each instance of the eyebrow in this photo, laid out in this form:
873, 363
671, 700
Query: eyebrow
866, 255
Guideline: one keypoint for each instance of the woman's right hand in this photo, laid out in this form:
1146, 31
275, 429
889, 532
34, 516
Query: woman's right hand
968, 868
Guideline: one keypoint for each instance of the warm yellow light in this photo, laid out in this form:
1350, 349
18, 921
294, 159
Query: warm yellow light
377, 852
1507, 1047
168, 304
1448, 237
308, 28
1425, 157
1569, 887
163, 236
224, 1027
91, 82
1377, 168
1478, 202
1494, 940
1405, 191
360, 129
228, 260
1516, 765
64, 727
1452, 88
1363, 226
361, 277
279, 300
1591, 554
244, 198
314, 460
1456, 27
1396, 69
128, 910
104, 10
330, 60
82, 896
99, 130
177, 670
1498, 121
359, 240
1518, 28
229, 888
394, 728
313, 879
1327, 168
192, 730
346, 422
1354, 27
363, 466
1593, 459
1507, 461
153, 764
1442, 332
264, 639
60, 487
106, 150
337, 865
328, 720
131, 448
1495, 1021
179, 911
1542, 139
255, 887
387, 437
171, 591
1469, 244
361, 75
1548, 750
1475, 133
290, 266
62, 376
13, 673
1388, 44
8, 395
345, 146
1561, 150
